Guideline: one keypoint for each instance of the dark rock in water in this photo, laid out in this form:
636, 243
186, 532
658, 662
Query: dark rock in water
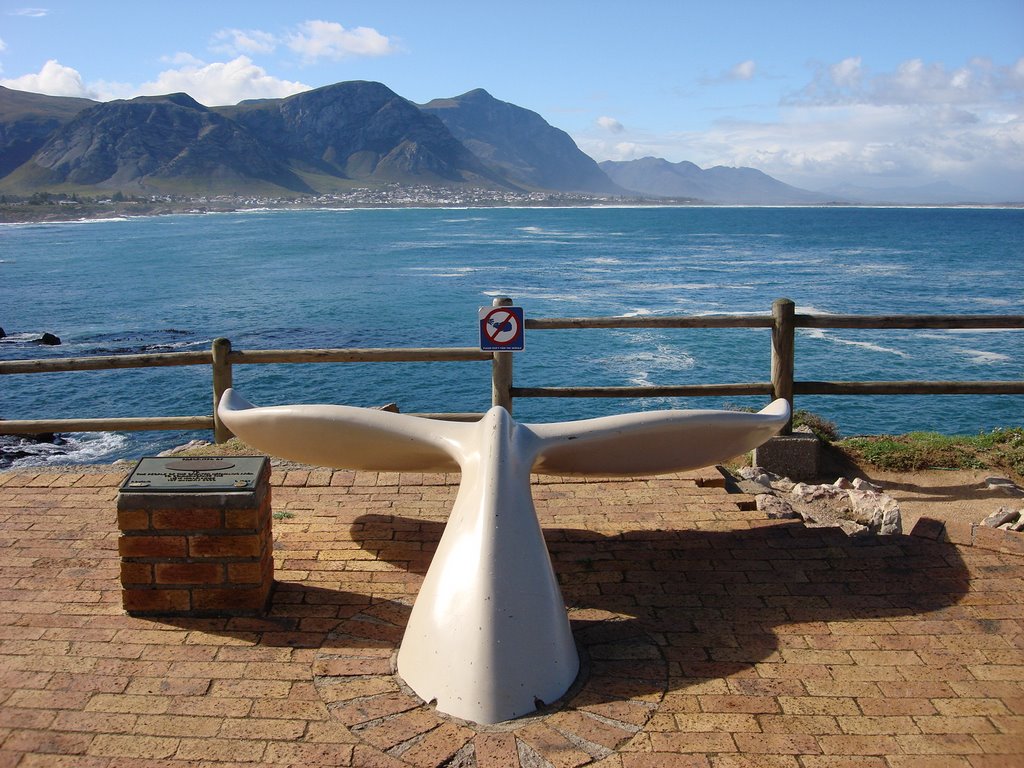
48, 339
2, 334
14, 447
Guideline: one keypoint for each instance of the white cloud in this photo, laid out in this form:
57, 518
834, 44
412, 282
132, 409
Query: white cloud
233, 42
913, 82
871, 145
31, 12
183, 59
918, 124
53, 79
330, 40
3, 45
610, 124
108, 90
222, 83
847, 73
743, 71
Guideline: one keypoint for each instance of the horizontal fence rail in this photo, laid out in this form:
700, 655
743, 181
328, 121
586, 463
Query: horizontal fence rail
105, 362
660, 321
783, 321
452, 354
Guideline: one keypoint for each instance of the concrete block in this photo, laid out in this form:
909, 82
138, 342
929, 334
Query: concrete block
796, 456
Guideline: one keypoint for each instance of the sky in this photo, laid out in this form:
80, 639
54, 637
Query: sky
900, 93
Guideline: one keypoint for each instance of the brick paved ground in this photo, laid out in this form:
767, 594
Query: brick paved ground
712, 638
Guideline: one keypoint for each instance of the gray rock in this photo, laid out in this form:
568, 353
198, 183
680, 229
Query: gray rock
1000, 516
774, 507
1003, 486
850, 528
878, 511
810, 493
863, 485
892, 521
186, 447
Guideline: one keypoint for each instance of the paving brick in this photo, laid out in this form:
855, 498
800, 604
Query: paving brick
399, 729
219, 750
133, 746
692, 742
496, 750
668, 760
440, 744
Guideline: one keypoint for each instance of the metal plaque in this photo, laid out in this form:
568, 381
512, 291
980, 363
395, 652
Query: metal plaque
191, 474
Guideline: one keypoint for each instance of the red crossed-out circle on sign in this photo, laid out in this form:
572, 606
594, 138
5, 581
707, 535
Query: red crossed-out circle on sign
501, 326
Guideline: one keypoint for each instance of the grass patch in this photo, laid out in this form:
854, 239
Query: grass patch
1000, 450
825, 430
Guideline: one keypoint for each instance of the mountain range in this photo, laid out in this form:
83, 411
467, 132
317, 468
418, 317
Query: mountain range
332, 139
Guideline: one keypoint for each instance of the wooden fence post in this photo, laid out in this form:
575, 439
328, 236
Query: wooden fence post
221, 383
501, 369
783, 352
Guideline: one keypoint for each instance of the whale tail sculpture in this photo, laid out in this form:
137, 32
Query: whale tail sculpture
489, 637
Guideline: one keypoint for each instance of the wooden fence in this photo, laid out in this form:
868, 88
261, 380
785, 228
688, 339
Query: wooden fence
783, 322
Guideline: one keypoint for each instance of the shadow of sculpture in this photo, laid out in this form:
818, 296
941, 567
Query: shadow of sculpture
661, 610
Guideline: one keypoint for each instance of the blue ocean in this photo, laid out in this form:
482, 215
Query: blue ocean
416, 278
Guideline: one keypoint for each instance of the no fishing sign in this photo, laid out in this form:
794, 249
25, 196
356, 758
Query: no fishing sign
501, 329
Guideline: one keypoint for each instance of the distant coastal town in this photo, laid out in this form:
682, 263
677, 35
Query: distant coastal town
42, 207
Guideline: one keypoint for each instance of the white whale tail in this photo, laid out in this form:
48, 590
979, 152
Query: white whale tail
489, 636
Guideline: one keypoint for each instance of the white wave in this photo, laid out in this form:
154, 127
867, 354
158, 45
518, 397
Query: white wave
961, 331
561, 233
662, 287
822, 335
993, 302
642, 379
76, 448
637, 313
642, 363
864, 251
452, 272
20, 338
983, 357
875, 269
31, 224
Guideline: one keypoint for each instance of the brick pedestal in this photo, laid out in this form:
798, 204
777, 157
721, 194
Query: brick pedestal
196, 554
